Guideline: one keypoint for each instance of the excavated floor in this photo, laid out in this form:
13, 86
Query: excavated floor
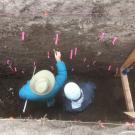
108, 105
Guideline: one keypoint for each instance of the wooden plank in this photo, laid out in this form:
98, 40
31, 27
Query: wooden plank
127, 93
129, 61
131, 114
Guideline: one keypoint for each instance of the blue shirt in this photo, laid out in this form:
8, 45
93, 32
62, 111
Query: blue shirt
26, 93
88, 89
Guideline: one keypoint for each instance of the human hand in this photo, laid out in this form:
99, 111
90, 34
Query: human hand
57, 55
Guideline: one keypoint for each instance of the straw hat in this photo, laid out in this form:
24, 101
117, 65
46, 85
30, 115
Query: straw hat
42, 82
72, 91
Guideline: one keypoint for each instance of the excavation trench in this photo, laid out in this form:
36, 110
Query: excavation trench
103, 33
108, 105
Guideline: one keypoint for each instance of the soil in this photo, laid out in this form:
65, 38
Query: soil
109, 103
78, 24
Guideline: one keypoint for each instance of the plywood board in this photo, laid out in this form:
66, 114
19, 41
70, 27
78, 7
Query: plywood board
131, 114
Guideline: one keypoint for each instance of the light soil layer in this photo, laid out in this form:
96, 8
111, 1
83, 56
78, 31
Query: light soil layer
45, 127
78, 24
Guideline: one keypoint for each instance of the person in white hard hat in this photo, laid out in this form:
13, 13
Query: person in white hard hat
44, 86
77, 97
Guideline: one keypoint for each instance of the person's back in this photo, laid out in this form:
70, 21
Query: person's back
78, 96
32, 89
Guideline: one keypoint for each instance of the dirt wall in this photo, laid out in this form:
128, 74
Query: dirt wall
89, 26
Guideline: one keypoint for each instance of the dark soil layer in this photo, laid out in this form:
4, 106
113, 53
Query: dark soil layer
109, 103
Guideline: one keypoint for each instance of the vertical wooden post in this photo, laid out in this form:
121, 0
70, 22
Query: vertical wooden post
127, 93
125, 83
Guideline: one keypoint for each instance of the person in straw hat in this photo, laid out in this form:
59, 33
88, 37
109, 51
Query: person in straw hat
77, 97
44, 86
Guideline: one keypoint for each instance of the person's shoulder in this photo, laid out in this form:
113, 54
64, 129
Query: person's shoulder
82, 84
60, 62
88, 85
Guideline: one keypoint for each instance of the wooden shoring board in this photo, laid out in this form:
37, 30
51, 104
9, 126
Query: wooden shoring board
129, 61
127, 93
130, 114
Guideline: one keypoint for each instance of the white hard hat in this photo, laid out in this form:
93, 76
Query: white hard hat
42, 82
72, 91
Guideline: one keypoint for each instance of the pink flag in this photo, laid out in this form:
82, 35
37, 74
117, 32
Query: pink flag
114, 40
71, 54
48, 54
56, 39
75, 53
34, 64
8, 62
109, 67
101, 36
23, 36
130, 123
11, 68
46, 13
101, 124
15, 69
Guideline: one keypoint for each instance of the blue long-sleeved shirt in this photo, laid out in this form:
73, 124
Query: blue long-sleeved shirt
26, 93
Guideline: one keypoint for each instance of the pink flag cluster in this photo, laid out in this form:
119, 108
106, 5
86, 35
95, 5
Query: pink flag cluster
102, 36
73, 52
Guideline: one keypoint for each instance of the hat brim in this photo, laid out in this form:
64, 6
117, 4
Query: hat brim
46, 75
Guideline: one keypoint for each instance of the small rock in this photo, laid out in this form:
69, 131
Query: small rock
5, 46
99, 53
88, 66
10, 89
